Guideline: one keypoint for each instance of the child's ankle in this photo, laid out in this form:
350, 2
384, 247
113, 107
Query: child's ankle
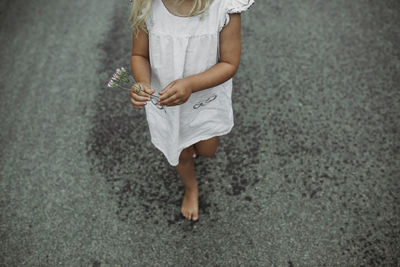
191, 187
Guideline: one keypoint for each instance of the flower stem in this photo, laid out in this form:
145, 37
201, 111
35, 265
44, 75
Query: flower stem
121, 86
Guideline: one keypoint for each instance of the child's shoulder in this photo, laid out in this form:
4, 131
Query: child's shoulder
236, 6
233, 6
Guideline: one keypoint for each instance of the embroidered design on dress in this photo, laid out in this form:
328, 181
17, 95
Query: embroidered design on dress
203, 103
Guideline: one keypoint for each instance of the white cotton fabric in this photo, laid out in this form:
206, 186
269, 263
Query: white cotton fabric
180, 47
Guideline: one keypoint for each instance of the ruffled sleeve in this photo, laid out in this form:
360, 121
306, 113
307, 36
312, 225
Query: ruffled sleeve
233, 6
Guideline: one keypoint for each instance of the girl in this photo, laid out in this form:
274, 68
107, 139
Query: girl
184, 55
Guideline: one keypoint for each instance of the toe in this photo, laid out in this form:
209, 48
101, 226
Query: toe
183, 213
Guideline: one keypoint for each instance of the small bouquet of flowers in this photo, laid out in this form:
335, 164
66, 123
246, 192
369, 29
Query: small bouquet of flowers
121, 77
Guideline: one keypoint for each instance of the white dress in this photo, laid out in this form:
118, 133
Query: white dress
179, 47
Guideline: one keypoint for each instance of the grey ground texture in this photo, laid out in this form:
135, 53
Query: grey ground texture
308, 176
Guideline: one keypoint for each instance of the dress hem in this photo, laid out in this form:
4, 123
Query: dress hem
193, 141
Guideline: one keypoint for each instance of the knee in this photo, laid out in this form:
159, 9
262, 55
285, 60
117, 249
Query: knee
207, 148
186, 155
208, 153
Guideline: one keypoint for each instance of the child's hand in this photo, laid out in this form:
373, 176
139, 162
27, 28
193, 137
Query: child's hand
175, 93
139, 99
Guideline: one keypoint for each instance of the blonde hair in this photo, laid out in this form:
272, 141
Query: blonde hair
141, 10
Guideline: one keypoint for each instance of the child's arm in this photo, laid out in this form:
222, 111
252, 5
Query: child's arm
230, 49
140, 66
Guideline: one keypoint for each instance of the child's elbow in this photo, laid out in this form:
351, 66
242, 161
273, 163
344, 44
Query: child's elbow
234, 69
234, 63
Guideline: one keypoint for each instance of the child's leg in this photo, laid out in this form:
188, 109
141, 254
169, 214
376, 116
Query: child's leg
207, 148
195, 153
185, 169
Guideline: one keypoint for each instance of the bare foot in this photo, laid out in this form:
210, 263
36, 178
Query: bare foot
190, 204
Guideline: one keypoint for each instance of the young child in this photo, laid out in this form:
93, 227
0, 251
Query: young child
184, 55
